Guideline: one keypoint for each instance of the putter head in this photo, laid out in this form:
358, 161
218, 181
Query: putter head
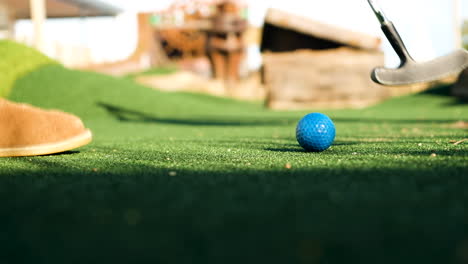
418, 72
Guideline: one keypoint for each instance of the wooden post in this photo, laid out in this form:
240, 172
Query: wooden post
11, 23
5, 21
225, 42
38, 17
147, 46
457, 24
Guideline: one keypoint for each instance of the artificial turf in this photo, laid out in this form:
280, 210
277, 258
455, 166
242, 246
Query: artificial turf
16, 61
189, 178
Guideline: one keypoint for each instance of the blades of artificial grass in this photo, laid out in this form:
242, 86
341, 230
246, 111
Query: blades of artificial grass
16, 61
187, 178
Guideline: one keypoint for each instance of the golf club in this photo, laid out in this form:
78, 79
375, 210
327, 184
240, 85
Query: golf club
410, 71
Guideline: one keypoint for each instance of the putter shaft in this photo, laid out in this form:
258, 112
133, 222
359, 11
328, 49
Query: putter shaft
378, 12
392, 34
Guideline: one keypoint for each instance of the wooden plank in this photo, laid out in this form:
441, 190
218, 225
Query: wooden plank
6, 21
38, 16
307, 26
336, 78
4, 17
55, 9
202, 24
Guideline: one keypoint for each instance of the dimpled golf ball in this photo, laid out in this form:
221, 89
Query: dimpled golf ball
315, 132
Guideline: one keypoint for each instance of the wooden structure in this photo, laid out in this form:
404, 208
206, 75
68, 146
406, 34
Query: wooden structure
225, 42
21, 9
217, 35
6, 21
181, 35
313, 65
183, 42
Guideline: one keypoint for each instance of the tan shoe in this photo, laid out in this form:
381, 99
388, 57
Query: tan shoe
29, 131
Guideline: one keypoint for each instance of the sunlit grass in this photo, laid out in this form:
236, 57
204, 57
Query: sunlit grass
16, 60
190, 178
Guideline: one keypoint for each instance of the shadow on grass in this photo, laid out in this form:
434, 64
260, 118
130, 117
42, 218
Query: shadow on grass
297, 148
287, 149
393, 121
447, 153
133, 213
65, 153
128, 115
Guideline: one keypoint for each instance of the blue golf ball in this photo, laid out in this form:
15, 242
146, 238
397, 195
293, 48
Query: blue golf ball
315, 132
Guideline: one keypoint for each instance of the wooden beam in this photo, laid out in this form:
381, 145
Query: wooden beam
38, 17
62, 8
457, 24
307, 26
6, 21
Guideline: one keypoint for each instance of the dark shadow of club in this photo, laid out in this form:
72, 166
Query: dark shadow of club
129, 115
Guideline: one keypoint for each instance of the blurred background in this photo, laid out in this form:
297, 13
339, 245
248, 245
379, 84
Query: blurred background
106, 30
234, 47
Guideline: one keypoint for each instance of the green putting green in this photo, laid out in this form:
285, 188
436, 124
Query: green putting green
16, 61
189, 178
